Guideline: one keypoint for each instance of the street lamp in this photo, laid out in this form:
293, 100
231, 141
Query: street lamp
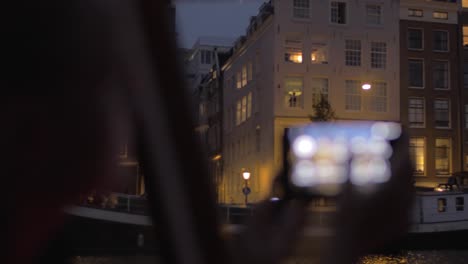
246, 190
366, 86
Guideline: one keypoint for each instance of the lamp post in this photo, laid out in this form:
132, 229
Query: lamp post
246, 189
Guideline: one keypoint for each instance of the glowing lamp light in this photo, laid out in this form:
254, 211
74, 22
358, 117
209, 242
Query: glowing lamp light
299, 58
366, 86
246, 175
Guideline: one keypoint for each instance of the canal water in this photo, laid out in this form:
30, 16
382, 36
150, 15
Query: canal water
408, 257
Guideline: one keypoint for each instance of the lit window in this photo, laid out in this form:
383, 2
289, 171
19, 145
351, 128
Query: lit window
301, 8
442, 156
353, 95
319, 88
338, 12
440, 73
378, 97
417, 149
378, 55
319, 53
374, 14
238, 80
249, 104
293, 49
244, 75
244, 109
460, 203
415, 12
440, 15
415, 38
441, 205
416, 73
442, 113
466, 116
352, 52
238, 113
416, 112
293, 91
249, 71
441, 40
465, 36
465, 3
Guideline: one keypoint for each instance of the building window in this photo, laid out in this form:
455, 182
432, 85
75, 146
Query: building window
441, 205
293, 49
249, 105
415, 38
244, 75
319, 53
442, 156
293, 91
378, 55
417, 154
238, 112
352, 52
319, 88
460, 203
416, 112
353, 95
244, 109
415, 12
238, 80
206, 56
465, 36
442, 113
374, 14
416, 73
301, 8
378, 97
249, 71
338, 12
466, 116
441, 40
440, 15
440, 75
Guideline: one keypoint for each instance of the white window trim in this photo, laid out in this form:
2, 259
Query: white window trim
450, 156
425, 157
424, 73
300, 18
422, 38
424, 114
386, 55
346, 15
448, 80
381, 14
361, 107
448, 41
439, 11
449, 113
416, 9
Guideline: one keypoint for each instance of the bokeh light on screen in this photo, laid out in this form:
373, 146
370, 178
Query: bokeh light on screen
327, 157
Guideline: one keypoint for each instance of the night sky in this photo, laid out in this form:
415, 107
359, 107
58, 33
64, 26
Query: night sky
227, 18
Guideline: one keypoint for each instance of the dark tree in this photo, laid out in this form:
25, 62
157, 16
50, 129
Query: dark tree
322, 110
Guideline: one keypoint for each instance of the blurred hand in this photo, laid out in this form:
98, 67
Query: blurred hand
367, 221
271, 233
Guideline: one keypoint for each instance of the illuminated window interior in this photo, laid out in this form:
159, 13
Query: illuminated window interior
293, 49
293, 91
319, 53
417, 155
465, 36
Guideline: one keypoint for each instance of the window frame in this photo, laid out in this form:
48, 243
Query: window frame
324, 90
448, 75
415, 9
346, 13
448, 114
410, 124
424, 150
294, 9
433, 40
422, 38
299, 104
373, 97
351, 53
380, 16
423, 73
440, 12
449, 158
358, 94
373, 52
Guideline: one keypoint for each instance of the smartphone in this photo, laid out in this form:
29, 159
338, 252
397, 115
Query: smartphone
324, 156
